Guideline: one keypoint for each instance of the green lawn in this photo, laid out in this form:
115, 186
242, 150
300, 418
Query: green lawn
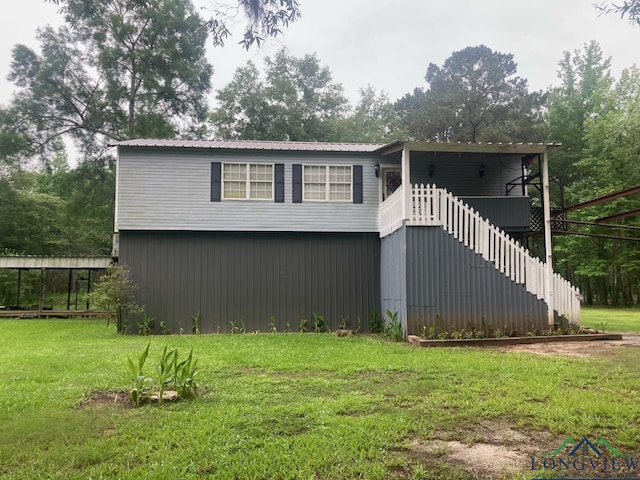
299, 406
611, 319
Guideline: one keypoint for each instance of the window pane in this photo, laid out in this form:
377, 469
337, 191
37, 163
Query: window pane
235, 189
315, 191
315, 174
261, 173
261, 190
340, 191
234, 171
340, 174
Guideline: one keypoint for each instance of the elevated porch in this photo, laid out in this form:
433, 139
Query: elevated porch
467, 267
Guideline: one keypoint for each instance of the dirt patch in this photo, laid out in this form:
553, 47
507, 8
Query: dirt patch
577, 349
493, 451
107, 398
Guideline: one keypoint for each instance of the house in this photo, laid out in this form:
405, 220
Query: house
262, 235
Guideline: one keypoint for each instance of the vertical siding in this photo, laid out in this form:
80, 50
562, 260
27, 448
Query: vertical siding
393, 274
246, 278
450, 284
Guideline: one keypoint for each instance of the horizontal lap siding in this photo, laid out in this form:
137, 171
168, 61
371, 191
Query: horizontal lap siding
248, 277
507, 213
461, 176
450, 284
171, 190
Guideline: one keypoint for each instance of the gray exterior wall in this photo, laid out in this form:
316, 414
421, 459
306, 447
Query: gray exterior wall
460, 176
512, 214
249, 277
393, 274
448, 284
170, 189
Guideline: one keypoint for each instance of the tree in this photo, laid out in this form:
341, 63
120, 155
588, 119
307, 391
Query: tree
374, 119
264, 18
476, 96
608, 270
628, 8
122, 69
583, 93
296, 100
115, 293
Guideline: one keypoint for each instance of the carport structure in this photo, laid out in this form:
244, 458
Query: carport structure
44, 263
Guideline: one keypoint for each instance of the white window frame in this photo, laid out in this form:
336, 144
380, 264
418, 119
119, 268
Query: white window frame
248, 182
327, 184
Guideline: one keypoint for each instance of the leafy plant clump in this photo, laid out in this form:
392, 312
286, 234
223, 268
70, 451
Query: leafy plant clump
195, 324
376, 324
144, 327
393, 329
170, 374
319, 323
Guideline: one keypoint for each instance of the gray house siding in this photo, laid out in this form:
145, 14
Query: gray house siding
461, 176
447, 284
393, 274
172, 190
512, 214
247, 278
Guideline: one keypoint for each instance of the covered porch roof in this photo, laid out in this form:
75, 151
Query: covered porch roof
467, 147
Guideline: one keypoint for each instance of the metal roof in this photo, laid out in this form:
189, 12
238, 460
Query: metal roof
466, 147
383, 149
253, 145
36, 261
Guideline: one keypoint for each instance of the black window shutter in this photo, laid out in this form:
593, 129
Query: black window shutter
357, 184
297, 183
216, 181
279, 183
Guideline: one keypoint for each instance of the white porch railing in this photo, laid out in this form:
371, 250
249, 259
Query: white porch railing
391, 214
433, 206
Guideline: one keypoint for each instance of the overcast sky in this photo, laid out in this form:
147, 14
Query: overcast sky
389, 43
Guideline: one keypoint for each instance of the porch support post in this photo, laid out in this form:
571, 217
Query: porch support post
406, 182
548, 246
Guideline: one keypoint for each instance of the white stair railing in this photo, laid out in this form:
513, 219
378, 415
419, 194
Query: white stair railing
435, 206
391, 213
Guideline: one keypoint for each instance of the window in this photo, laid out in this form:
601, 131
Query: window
251, 181
327, 183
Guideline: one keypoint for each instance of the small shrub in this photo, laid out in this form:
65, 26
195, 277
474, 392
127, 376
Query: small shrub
115, 293
423, 331
237, 328
319, 324
457, 334
272, 324
376, 324
393, 328
344, 323
432, 333
358, 324
142, 384
144, 327
302, 325
170, 375
164, 329
195, 323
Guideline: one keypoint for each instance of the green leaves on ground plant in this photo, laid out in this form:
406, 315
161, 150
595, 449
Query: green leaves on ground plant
170, 374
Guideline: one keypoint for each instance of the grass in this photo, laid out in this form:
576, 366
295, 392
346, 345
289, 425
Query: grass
611, 319
289, 406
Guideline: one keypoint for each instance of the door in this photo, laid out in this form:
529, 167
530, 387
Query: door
391, 180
